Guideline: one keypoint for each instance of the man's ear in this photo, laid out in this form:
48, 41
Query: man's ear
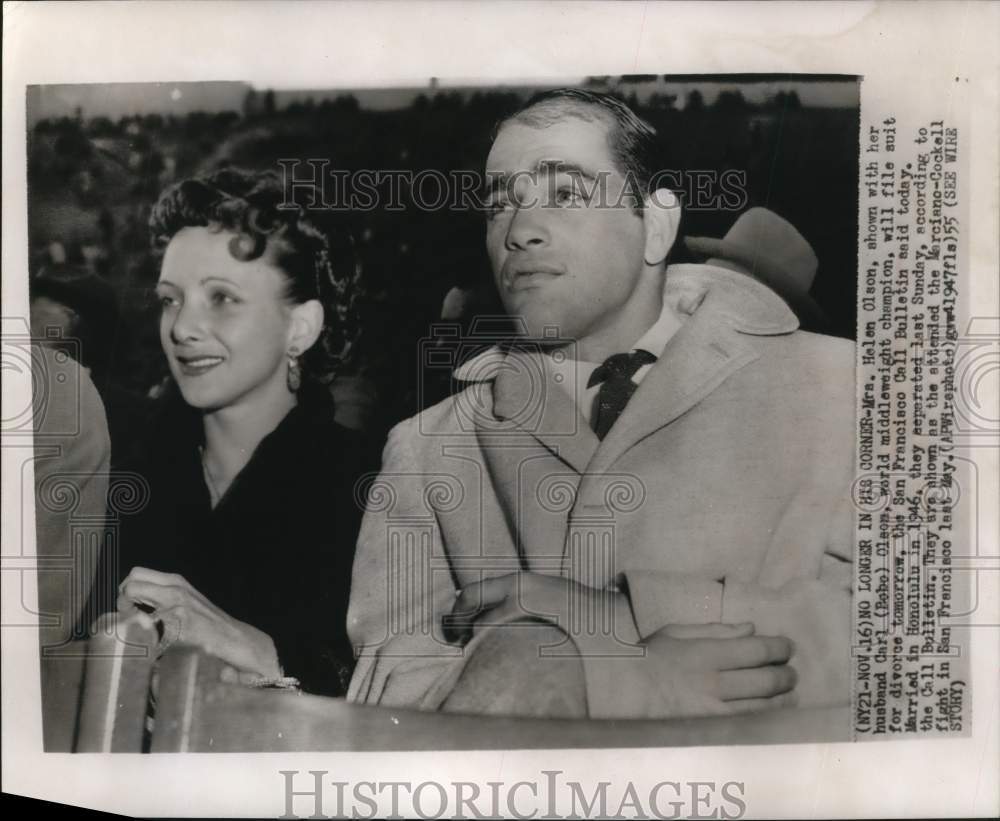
306, 325
662, 218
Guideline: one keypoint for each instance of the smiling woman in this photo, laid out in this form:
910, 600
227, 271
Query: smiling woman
245, 547
227, 331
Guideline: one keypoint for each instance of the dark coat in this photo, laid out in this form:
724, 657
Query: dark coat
276, 552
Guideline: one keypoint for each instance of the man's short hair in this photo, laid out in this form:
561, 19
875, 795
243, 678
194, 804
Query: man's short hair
633, 142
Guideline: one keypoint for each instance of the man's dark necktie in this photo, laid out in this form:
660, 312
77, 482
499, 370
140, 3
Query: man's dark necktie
617, 387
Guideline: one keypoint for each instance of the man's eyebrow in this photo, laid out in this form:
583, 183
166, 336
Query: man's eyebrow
560, 166
495, 179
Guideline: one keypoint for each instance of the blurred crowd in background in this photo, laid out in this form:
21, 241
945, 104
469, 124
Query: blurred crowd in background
93, 179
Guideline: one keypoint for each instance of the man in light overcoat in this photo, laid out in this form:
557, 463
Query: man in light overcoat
641, 508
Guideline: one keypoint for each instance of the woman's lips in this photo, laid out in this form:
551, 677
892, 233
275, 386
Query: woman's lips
198, 365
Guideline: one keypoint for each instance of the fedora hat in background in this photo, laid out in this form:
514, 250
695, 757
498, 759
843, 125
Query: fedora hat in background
770, 249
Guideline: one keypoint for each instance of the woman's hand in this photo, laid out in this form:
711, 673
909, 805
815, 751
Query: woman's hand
187, 616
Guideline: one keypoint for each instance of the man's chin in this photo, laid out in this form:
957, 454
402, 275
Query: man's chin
546, 344
537, 329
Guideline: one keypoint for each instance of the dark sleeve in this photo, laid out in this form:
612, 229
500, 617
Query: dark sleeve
313, 648
311, 636
162, 504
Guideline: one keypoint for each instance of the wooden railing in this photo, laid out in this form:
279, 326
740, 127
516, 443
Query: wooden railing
195, 711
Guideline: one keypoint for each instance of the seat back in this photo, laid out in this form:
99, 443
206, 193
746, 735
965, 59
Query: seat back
117, 675
197, 712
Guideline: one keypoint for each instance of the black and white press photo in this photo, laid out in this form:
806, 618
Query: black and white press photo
494, 427
367, 363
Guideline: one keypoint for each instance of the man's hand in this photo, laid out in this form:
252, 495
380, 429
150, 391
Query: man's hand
185, 615
714, 669
817, 617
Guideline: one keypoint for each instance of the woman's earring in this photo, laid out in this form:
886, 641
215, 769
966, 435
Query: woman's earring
294, 371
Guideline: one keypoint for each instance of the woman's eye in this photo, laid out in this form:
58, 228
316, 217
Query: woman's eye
222, 298
165, 301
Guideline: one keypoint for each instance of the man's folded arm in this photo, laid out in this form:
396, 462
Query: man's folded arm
398, 594
815, 613
659, 598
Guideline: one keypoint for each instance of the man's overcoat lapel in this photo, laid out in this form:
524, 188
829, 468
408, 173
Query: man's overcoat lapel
703, 353
548, 467
536, 462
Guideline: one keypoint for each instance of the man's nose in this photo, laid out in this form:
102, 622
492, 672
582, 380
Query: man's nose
527, 229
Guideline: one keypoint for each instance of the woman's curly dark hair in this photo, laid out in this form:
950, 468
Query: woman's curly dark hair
316, 255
